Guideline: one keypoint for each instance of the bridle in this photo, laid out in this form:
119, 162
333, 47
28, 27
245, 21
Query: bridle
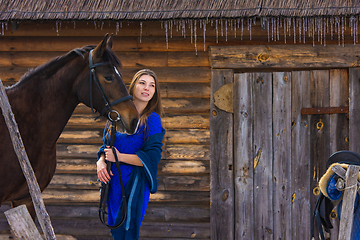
104, 189
95, 79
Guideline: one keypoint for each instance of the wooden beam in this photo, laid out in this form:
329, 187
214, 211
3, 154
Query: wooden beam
21, 223
347, 210
284, 56
29, 174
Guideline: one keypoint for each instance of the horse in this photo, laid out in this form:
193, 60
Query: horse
43, 102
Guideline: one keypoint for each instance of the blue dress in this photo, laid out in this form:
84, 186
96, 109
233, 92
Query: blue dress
139, 182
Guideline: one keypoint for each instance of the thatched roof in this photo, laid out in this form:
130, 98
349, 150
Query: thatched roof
170, 9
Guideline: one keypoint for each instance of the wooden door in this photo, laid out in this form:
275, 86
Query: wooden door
267, 158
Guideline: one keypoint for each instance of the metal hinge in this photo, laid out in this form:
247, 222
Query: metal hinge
325, 110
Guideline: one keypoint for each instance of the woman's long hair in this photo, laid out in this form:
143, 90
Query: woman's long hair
154, 105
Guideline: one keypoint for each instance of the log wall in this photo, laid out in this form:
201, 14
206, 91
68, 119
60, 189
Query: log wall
180, 208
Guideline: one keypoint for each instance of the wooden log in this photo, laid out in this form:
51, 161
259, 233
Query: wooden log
188, 59
29, 174
168, 167
21, 223
12, 74
172, 183
347, 210
301, 56
61, 197
151, 29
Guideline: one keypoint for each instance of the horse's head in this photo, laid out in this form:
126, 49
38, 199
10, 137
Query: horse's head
107, 92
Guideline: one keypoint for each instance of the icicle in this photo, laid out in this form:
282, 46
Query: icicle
299, 22
338, 24
195, 37
235, 28
272, 29
324, 32
2, 29
249, 27
57, 28
183, 28
171, 28
217, 31
117, 28
221, 28
166, 34
294, 30
285, 30
204, 33
141, 26
343, 27
304, 29
191, 30
102, 24
313, 30
95, 26
74, 24
278, 28
332, 28
242, 29
226, 29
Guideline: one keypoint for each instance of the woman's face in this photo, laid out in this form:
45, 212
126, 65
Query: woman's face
144, 88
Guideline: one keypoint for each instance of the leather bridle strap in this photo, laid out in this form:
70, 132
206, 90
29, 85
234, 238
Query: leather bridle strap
94, 78
105, 187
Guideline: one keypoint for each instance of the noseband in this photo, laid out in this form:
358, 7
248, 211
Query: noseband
94, 78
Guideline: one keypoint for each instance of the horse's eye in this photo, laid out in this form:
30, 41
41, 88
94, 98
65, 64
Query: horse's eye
109, 79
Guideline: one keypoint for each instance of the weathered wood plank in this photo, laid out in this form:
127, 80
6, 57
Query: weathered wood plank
354, 109
282, 154
243, 164
284, 56
319, 130
300, 155
263, 155
339, 123
221, 164
347, 210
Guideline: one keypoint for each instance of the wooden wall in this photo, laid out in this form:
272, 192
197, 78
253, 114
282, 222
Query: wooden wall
180, 208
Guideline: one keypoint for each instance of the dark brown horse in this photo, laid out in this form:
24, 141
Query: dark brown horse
43, 101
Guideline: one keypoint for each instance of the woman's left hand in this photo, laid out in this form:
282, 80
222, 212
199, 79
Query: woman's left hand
109, 155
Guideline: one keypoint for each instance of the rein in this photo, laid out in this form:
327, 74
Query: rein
94, 78
104, 189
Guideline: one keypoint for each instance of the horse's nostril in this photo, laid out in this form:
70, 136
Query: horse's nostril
134, 123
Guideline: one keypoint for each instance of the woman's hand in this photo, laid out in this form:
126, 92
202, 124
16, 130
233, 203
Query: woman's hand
109, 155
102, 173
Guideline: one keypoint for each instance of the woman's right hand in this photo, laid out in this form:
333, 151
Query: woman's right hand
102, 173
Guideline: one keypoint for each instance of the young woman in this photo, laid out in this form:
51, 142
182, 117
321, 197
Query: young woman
139, 154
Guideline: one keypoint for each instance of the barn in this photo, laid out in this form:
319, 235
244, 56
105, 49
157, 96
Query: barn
257, 96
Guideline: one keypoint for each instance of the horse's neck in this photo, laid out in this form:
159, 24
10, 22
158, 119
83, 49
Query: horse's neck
44, 106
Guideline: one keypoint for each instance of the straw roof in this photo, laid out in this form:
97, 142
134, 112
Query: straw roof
170, 9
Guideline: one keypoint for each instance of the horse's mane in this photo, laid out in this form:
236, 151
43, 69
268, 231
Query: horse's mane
46, 70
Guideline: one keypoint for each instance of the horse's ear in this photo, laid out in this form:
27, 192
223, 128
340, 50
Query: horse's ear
110, 41
100, 49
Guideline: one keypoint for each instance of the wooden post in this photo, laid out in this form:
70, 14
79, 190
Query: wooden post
21, 223
347, 210
19, 149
